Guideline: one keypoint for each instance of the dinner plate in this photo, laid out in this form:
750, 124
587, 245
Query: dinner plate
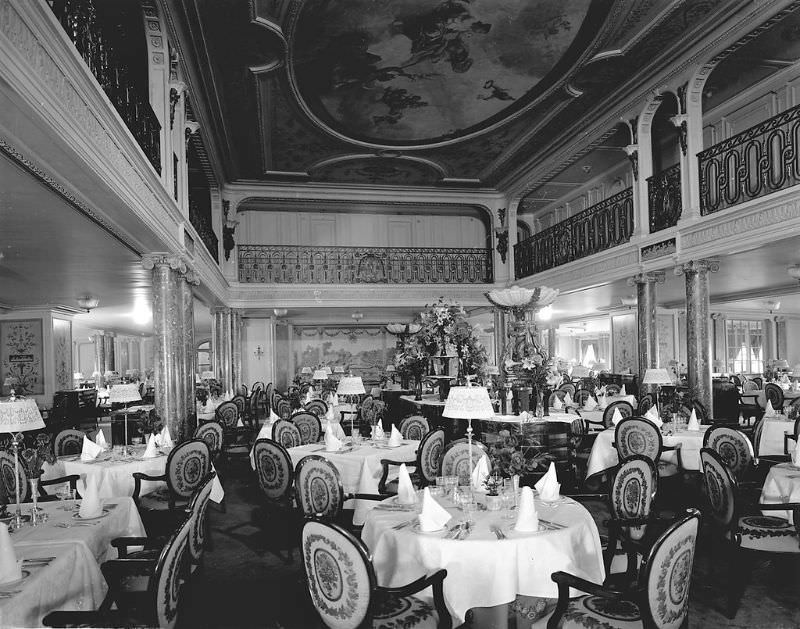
416, 528
106, 511
557, 501
25, 575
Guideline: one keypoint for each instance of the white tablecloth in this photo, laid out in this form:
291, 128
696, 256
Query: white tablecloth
761, 399
772, 432
604, 455
483, 571
781, 485
554, 416
359, 469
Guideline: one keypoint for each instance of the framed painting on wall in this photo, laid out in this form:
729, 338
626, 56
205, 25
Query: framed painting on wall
22, 355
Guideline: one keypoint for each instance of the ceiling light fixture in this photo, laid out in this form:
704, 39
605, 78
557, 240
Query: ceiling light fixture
357, 316
280, 312
88, 302
794, 271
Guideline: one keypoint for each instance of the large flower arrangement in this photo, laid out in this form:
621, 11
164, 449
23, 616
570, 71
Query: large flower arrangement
508, 458
412, 360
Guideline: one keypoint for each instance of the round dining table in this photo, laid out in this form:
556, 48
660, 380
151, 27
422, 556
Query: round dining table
484, 568
781, 485
773, 430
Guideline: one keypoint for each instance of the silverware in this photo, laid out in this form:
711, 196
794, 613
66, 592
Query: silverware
464, 532
498, 532
553, 526
403, 525
35, 560
67, 525
454, 530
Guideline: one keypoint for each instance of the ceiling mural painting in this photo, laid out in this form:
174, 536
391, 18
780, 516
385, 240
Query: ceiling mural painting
377, 170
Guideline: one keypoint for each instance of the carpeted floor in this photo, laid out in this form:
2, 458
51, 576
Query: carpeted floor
245, 584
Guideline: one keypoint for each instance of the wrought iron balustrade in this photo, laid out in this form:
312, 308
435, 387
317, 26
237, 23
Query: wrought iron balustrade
756, 162
296, 264
664, 198
203, 227
79, 20
595, 229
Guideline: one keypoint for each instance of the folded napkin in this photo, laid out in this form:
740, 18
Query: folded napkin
693, 423
273, 415
406, 494
433, 516
266, 431
90, 450
332, 442
602, 402
152, 448
396, 438
796, 454
769, 411
558, 404
377, 432
329, 413
527, 520
567, 399
166, 438
335, 400
10, 567
335, 428
590, 404
622, 390
652, 415
616, 417
548, 486
100, 439
480, 474
91, 507
239, 423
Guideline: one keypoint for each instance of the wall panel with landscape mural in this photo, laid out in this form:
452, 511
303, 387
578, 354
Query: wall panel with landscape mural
365, 350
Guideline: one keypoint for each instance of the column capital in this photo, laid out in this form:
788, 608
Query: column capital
697, 266
152, 260
650, 277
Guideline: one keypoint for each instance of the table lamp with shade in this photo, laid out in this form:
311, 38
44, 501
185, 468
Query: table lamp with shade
657, 377
124, 394
11, 382
15, 418
77, 377
351, 386
468, 403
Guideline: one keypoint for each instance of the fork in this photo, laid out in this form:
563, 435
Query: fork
403, 525
498, 532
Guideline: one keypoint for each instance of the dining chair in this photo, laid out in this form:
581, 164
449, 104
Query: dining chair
212, 433
744, 532
69, 441
242, 390
255, 408
427, 464
759, 381
750, 385
456, 459
581, 396
283, 408
286, 434
646, 402
789, 437
557, 394
258, 385
774, 394
241, 404
343, 587
318, 407
638, 435
660, 600
308, 425
414, 427
235, 438
625, 409
10, 481
613, 389
145, 592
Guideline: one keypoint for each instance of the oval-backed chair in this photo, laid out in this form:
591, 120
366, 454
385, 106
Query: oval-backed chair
613, 389
638, 435
68, 442
241, 405
318, 407
242, 390
212, 433
625, 409
774, 394
568, 387
646, 402
414, 427
343, 586
227, 414
733, 447
10, 481
286, 434
428, 464
456, 460
309, 426
581, 396
283, 408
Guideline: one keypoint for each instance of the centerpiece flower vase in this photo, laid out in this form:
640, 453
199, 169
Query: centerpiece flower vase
539, 403
417, 387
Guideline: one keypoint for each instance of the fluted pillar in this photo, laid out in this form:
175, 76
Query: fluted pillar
99, 359
499, 337
646, 320
109, 355
698, 337
226, 346
174, 384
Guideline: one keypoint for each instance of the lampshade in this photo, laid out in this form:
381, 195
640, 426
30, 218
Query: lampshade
656, 376
468, 403
121, 393
77, 376
96, 374
328, 370
207, 375
390, 369
306, 370
20, 416
351, 385
782, 364
396, 328
338, 369
319, 374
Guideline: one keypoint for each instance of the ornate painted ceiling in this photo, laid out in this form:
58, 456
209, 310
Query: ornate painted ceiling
417, 92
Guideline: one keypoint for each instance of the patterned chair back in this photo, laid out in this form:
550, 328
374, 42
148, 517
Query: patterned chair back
254, 404
273, 468
637, 435
212, 433
318, 487
309, 426
774, 394
414, 427
257, 386
633, 490
227, 414
268, 394
568, 387
198, 508
286, 434
339, 575
242, 390
429, 456
613, 389
733, 447
625, 409
170, 574
68, 441
455, 460
720, 489
7, 473
241, 403
750, 385
645, 404
283, 408
188, 465
759, 382
581, 396
318, 407
667, 575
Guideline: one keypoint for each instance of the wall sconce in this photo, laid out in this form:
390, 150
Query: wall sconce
258, 352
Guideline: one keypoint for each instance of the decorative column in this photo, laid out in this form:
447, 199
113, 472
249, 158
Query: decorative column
226, 345
188, 355
647, 328
698, 338
109, 355
174, 384
99, 359
499, 336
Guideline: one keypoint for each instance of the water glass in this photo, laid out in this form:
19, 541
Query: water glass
469, 506
356, 434
508, 498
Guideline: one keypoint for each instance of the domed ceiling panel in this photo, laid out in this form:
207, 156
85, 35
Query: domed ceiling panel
412, 72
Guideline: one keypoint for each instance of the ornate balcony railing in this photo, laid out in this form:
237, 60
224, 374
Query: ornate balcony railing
595, 229
203, 227
760, 160
664, 198
280, 264
79, 20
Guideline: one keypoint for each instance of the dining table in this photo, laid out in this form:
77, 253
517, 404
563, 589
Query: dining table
491, 563
758, 396
359, 466
773, 430
782, 484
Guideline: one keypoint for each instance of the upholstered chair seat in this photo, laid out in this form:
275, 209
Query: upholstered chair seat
394, 612
768, 533
596, 612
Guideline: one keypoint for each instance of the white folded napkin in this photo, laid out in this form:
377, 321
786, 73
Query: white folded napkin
90, 450
527, 519
329, 413
100, 439
377, 432
273, 415
602, 402
335, 400
239, 423
332, 442
166, 438
616, 417
796, 454
622, 390
769, 411
406, 494
480, 474
693, 423
152, 449
335, 428
91, 507
396, 438
266, 431
590, 404
558, 404
433, 516
10, 567
567, 399
548, 486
